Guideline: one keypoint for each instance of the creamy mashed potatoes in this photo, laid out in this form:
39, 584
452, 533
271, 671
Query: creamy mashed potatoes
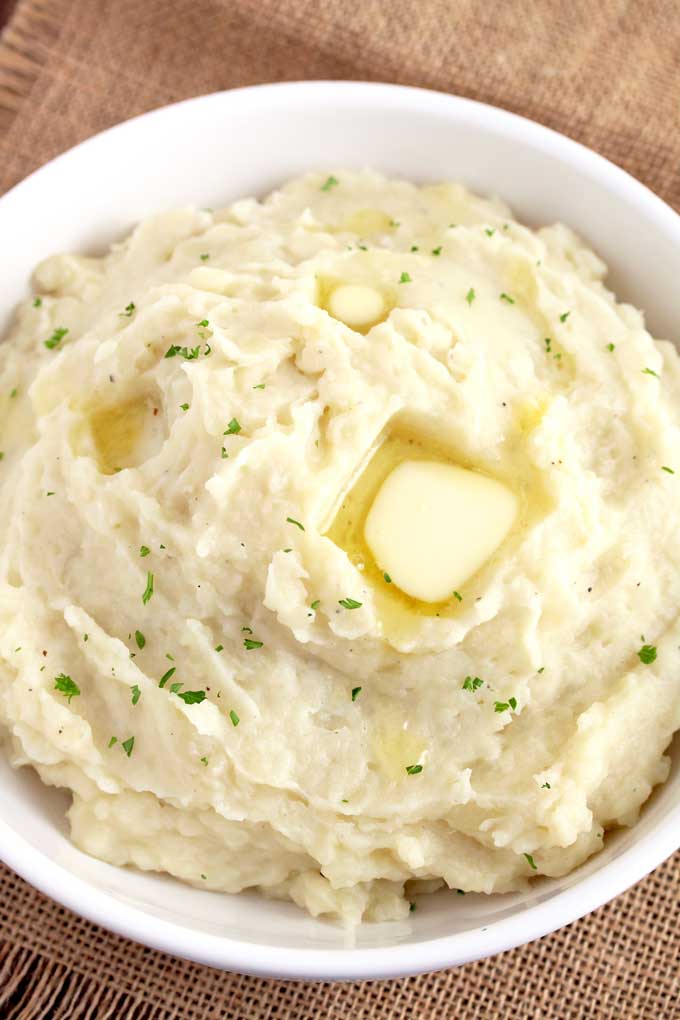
228, 625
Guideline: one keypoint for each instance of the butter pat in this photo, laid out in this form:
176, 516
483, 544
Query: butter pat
433, 525
356, 305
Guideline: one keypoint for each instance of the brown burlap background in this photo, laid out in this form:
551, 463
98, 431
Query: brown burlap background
607, 73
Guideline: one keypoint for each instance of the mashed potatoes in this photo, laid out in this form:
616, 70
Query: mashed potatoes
200, 634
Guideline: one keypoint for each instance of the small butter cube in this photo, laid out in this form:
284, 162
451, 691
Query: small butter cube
356, 305
433, 525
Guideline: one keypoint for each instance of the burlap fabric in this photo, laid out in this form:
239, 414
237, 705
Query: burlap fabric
606, 73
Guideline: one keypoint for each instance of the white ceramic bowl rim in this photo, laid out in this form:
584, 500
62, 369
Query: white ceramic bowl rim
531, 923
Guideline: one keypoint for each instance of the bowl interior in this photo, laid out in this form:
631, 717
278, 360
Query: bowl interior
249, 141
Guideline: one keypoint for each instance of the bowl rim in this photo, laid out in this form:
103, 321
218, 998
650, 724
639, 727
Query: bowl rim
436, 953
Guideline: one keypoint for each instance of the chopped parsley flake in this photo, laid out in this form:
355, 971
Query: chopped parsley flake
412, 907
56, 337
650, 371
2, 455
166, 676
457, 595
176, 688
611, 347
219, 648
112, 741
387, 579
647, 654
13, 393
413, 770
470, 296
437, 250
148, 591
225, 455
291, 520
66, 686
669, 470
204, 760
330, 182
546, 786
564, 316
191, 697
129, 309
350, 604
144, 550
548, 344
37, 302
140, 639
414, 247
506, 297
490, 231
204, 257
249, 643
136, 694
184, 407
246, 630
233, 428
472, 683
188, 353
531, 862
315, 604
541, 669
503, 706
260, 386
404, 278
234, 717
356, 691
128, 745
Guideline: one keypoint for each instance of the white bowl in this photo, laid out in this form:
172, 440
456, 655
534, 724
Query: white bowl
209, 151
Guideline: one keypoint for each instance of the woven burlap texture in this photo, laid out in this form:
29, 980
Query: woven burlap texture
607, 74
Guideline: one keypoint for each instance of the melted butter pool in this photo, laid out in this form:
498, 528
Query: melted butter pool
124, 434
400, 614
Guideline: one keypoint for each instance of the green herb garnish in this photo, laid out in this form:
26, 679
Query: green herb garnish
140, 639
611, 347
531, 862
404, 278
564, 316
506, 297
66, 686
233, 428
647, 654
470, 296
56, 337
472, 683
503, 706
668, 470
356, 691
330, 182
127, 745
413, 770
191, 697
650, 371
148, 591
350, 604
129, 309
136, 694
166, 676
437, 250
315, 604
234, 717
291, 520
144, 550
249, 644
37, 302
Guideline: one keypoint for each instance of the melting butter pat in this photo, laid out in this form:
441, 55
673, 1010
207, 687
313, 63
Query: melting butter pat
433, 525
356, 305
